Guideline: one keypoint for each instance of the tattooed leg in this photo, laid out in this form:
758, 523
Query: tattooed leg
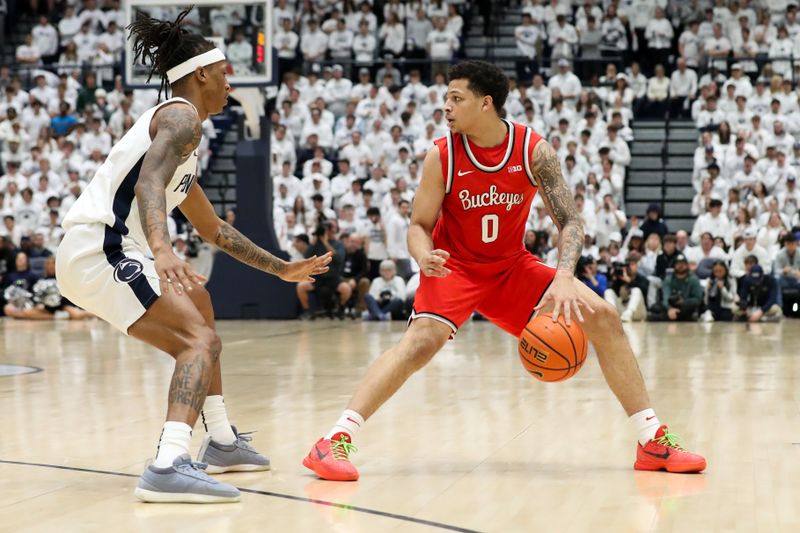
190, 383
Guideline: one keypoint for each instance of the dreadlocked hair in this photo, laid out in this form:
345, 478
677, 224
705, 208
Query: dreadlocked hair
164, 45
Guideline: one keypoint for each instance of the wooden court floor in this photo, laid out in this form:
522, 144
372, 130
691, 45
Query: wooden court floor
470, 444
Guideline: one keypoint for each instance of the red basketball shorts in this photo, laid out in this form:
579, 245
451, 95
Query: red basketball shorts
505, 292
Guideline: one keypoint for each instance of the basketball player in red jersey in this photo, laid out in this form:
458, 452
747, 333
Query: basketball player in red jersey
466, 235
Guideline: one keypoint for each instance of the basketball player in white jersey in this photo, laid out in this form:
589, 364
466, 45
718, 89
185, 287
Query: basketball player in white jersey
116, 260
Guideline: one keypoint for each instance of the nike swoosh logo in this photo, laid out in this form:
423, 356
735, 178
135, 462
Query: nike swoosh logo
353, 421
664, 455
322, 456
462, 173
650, 417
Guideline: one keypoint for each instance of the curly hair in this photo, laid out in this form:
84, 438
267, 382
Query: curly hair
163, 44
483, 79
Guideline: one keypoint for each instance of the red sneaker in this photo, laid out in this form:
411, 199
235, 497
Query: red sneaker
330, 458
663, 452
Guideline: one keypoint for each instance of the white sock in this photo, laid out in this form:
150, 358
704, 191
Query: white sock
349, 423
215, 420
646, 423
174, 441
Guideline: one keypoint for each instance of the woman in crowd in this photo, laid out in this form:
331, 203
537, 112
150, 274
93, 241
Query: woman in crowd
720, 294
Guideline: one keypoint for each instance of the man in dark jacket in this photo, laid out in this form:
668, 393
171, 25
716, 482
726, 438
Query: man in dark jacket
758, 297
653, 223
681, 294
356, 269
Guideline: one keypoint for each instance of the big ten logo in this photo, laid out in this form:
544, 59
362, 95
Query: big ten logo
529, 349
515, 168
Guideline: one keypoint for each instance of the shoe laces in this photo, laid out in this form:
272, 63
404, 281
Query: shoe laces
342, 448
195, 468
670, 440
244, 438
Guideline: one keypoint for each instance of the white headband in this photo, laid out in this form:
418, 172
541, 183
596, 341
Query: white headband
188, 66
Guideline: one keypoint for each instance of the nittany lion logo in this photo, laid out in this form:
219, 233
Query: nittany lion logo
127, 270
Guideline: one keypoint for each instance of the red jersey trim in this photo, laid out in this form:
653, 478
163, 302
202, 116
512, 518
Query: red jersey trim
509, 151
526, 155
448, 185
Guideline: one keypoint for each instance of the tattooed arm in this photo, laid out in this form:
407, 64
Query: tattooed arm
175, 130
201, 214
177, 133
563, 293
560, 204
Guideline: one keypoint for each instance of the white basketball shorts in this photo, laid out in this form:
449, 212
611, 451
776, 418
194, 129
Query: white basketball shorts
107, 274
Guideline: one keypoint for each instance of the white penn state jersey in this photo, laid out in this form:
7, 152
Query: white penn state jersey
110, 199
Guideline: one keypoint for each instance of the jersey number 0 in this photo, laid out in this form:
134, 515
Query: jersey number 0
489, 225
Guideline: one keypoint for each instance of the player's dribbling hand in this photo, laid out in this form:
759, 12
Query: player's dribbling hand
175, 273
303, 270
432, 264
564, 297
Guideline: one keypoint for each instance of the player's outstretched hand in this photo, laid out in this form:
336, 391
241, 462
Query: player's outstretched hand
432, 264
176, 274
303, 270
564, 297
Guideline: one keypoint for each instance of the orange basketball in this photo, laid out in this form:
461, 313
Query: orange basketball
552, 351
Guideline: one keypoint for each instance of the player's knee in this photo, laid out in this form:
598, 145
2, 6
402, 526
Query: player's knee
202, 340
605, 315
421, 350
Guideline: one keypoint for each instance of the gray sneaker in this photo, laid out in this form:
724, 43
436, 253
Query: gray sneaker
183, 482
236, 457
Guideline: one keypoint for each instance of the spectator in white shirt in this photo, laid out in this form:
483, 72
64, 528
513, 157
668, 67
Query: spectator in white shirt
718, 47
316, 126
714, 222
454, 21
340, 42
658, 33
563, 38
69, 25
286, 41
657, 93
417, 30
527, 37
441, 45
45, 38
240, 54
364, 14
378, 184
313, 44
690, 45
683, 89
710, 118
397, 224
386, 294
566, 82
780, 50
85, 40
28, 53
393, 36
747, 248
364, 44
359, 155
338, 90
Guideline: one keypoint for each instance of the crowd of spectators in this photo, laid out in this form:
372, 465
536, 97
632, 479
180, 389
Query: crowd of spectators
360, 103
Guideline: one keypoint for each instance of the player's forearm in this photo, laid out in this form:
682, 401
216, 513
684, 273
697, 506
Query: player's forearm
152, 202
570, 246
232, 242
420, 242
